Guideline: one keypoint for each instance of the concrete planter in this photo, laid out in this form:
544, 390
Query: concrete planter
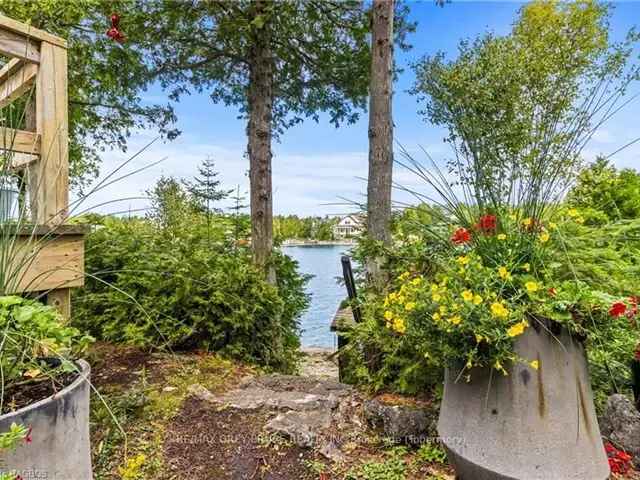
529, 425
60, 447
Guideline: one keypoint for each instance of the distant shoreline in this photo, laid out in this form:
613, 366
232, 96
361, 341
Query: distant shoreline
317, 243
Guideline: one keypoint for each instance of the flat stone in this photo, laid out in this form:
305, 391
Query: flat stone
620, 424
331, 451
303, 428
314, 385
402, 423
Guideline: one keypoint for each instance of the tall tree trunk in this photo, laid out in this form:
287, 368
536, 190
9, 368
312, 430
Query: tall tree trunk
259, 139
380, 131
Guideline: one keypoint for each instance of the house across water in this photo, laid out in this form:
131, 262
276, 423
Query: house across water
349, 226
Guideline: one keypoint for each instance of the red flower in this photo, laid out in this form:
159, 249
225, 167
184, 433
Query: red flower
27, 438
617, 309
114, 32
487, 224
460, 236
552, 292
619, 460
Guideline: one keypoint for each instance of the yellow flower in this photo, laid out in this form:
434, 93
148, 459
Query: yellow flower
526, 267
392, 296
553, 225
498, 366
416, 281
479, 338
401, 299
443, 309
463, 260
455, 307
388, 315
513, 216
434, 287
436, 317
456, 319
399, 326
527, 222
580, 220
499, 310
517, 329
531, 287
544, 237
535, 364
477, 299
504, 273
404, 276
410, 306
501, 236
572, 212
467, 295
436, 297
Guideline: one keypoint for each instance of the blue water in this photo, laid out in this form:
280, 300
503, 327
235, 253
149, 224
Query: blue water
323, 262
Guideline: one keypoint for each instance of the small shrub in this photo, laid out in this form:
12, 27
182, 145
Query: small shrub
186, 286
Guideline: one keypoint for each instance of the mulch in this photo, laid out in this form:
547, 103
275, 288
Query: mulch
202, 444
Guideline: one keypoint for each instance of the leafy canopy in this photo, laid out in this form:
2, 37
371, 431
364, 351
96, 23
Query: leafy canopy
612, 194
520, 108
105, 80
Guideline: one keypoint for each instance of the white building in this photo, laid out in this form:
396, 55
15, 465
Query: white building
348, 226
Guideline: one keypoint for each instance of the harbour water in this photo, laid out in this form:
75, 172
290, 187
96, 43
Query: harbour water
323, 262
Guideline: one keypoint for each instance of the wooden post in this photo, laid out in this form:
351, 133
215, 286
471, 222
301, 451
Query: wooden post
50, 202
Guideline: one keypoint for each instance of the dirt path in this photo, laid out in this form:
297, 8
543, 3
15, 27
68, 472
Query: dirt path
200, 417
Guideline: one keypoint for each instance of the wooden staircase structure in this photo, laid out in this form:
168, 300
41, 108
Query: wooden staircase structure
36, 73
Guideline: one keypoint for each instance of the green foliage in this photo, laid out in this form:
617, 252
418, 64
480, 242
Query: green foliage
9, 441
431, 453
394, 468
205, 189
32, 334
303, 228
605, 194
104, 79
175, 281
510, 103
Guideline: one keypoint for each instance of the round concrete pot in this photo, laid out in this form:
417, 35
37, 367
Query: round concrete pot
530, 425
59, 447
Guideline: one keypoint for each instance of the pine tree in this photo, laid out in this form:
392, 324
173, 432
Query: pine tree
205, 189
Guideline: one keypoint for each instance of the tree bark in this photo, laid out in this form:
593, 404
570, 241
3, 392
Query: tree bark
380, 131
259, 130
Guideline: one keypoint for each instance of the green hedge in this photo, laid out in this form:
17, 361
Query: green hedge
187, 287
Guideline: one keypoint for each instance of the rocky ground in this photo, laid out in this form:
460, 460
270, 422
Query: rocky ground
200, 417
162, 416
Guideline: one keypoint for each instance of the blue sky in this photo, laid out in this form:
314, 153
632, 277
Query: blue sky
315, 164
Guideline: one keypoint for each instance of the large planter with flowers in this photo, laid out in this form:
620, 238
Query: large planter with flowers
57, 446
532, 423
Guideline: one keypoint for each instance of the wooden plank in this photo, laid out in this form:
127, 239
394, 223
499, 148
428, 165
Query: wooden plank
53, 264
20, 161
30, 32
19, 141
18, 84
17, 46
50, 175
10, 67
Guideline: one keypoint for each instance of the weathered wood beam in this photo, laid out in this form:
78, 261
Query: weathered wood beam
18, 46
30, 32
19, 141
17, 84
9, 68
